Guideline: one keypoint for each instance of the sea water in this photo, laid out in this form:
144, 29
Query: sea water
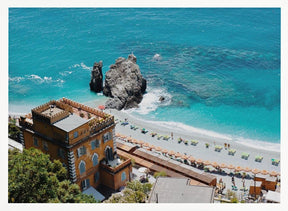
218, 69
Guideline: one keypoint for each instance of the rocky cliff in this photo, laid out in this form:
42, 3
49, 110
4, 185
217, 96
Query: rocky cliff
124, 84
96, 83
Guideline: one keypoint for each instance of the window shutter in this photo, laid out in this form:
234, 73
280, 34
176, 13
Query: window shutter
87, 183
78, 152
84, 150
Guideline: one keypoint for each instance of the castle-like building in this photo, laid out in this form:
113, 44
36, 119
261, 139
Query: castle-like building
82, 138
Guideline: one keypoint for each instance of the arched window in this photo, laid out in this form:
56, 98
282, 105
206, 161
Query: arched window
95, 159
82, 167
123, 176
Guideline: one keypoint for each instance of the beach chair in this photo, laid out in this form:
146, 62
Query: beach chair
131, 126
135, 128
166, 138
275, 162
218, 148
194, 142
159, 137
124, 123
153, 134
144, 131
180, 140
245, 155
186, 142
231, 152
258, 158
234, 188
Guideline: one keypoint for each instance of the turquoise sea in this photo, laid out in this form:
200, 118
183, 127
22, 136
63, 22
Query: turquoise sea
218, 69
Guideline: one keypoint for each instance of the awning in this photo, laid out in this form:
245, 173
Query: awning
92, 191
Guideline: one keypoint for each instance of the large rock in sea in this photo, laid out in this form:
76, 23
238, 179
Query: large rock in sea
96, 83
124, 84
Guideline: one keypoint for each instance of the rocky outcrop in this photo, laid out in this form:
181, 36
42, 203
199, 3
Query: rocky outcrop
124, 84
96, 83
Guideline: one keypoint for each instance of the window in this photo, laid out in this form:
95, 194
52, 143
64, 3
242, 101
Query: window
61, 153
107, 136
95, 159
81, 151
85, 184
75, 134
35, 140
108, 153
45, 145
123, 176
96, 176
82, 167
95, 144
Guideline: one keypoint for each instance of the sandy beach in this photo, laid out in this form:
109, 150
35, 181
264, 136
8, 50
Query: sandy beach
198, 151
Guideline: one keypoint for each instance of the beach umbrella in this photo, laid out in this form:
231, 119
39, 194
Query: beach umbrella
223, 165
117, 135
273, 173
191, 158
134, 141
151, 146
164, 151
264, 172
247, 169
101, 107
140, 142
206, 163
230, 166
171, 152
184, 157
199, 161
145, 144
158, 149
238, 168
255, 171
178, 154
214, 164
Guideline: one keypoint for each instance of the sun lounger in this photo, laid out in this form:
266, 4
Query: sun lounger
245, 155
234, 188
258, 158
166, 137
144, 131
231, 152
194, 142
218, 148
275, 162
159, 137
135, 128
186, 142
180, 140
132, 126
124, 123
153, 134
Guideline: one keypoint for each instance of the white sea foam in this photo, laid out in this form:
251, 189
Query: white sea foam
259, 144
65, 73
17, 78
85, 67
151, 101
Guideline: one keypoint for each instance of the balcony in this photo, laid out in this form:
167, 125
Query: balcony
115, 165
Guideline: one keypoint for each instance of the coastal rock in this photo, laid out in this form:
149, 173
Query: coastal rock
96, 83
124, 84
161, 99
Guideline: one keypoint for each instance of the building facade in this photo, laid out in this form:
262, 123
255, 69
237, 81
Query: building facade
82, 138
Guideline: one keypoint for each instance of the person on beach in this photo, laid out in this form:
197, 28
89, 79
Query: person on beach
172, 135
228, 146
233, 180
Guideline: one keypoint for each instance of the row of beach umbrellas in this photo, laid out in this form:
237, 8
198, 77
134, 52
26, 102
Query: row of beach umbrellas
198, 161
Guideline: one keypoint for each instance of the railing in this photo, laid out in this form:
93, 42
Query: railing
99, 126
24, 123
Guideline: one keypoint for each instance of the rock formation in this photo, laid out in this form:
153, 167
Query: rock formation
124, 84
96, 83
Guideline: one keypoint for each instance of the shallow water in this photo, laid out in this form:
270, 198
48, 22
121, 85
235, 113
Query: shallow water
218, 69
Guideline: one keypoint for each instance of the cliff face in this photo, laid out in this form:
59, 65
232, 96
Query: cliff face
96, 83
124, 84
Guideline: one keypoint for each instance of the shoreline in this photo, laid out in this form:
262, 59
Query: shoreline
188, 133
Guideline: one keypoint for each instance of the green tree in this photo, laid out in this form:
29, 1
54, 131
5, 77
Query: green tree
33, 177
13, 130
135, 192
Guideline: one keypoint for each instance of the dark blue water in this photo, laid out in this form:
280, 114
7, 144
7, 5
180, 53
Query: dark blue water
218, 69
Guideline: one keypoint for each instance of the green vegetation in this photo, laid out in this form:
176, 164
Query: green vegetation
135, 192
13, 130
232, 196
33, 178
160, 174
